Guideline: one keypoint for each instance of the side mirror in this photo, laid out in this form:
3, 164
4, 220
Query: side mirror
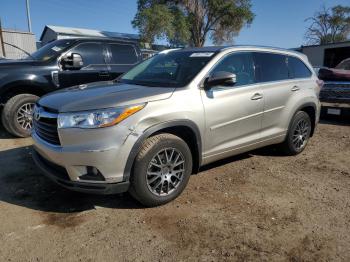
220, 78
72, 62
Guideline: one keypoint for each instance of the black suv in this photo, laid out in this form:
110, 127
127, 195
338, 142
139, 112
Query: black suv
59, 64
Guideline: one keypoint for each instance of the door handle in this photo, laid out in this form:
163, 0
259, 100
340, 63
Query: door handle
295, 88
257, 96
103, 73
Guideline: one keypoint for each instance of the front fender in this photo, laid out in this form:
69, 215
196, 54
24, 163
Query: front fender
154, 129
28, 83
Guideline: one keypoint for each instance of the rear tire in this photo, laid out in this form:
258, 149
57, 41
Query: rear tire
161, 170
17, 114
298, 134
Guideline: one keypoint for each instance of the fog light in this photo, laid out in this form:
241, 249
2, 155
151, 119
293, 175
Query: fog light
93, 174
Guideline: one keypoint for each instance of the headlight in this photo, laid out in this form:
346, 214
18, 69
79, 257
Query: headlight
97, 118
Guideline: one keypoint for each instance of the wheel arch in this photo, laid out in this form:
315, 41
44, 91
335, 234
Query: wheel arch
21, 88
185, 129
311, 109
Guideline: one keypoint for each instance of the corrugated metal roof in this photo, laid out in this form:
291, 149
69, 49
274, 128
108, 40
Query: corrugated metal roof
87, 32
328, 44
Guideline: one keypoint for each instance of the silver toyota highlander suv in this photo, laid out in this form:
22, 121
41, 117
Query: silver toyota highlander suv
149, 130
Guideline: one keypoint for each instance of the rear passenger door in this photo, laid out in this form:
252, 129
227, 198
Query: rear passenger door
300, 73
273, 76
121, 57
94, 66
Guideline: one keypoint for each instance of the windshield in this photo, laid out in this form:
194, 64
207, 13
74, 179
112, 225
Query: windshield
345, 64
51, 50
175, 69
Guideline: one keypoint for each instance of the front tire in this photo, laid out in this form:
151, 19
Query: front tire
298, 134
17, 114
161, 170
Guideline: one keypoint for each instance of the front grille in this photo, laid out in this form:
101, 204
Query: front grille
335, 91
45, 125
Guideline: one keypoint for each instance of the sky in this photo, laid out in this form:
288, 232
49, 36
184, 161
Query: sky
279, 23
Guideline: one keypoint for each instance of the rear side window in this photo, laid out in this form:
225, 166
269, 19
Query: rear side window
297, 68
123, 54
92, 53
271, 67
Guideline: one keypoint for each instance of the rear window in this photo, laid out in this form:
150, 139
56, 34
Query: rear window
297, 68
123, 54
271, 67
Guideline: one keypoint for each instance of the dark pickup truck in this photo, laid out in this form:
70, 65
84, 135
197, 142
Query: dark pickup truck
59, 64
335, 94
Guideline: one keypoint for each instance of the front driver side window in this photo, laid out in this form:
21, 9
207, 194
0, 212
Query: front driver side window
241, 64
92, 53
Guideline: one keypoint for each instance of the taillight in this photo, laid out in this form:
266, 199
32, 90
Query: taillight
320, 84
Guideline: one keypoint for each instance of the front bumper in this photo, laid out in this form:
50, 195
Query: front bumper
337, 109
336, 104
104, 150
59, 175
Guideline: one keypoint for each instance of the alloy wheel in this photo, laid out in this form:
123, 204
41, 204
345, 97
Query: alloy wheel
301, 134
165, 171
24, 116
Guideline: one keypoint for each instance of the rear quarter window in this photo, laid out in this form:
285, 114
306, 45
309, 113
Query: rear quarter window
271, 67
297, 68
123, 54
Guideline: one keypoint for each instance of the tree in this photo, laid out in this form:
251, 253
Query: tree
191, 22
329, 25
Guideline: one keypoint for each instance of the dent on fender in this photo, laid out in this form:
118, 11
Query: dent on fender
128, 131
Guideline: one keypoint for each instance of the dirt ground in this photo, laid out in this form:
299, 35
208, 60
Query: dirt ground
256, 206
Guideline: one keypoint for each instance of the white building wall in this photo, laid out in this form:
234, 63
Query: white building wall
23, 40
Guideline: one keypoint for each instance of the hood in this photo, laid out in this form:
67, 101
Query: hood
333, 74
101, 95
14, 63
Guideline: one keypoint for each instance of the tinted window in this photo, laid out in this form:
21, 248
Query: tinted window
92, 53
271, 67
297, 68
241, 64
123, 54
175, 69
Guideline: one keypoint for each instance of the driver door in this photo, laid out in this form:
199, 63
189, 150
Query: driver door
233, 113
94, 66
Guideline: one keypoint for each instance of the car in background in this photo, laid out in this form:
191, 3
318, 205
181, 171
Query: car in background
335, 94
59, 64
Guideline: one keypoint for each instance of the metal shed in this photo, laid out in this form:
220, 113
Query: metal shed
328, 55
52, 33
19, 39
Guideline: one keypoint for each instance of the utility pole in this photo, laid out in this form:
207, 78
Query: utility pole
2, 41
28, 16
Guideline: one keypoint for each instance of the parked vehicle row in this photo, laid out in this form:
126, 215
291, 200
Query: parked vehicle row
59, 64
157, 124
